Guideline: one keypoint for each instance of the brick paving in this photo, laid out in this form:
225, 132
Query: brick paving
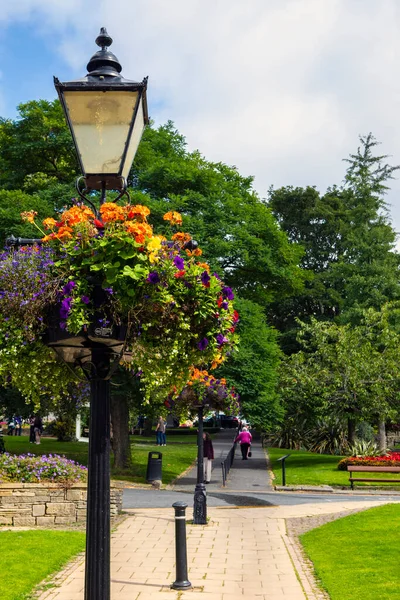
241, 553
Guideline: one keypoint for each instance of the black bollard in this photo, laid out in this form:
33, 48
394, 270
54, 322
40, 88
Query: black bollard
181, 582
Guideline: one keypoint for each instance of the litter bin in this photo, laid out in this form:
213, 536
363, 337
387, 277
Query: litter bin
154, 464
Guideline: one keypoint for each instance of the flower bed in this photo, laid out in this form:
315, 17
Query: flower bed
29, 468
392, 459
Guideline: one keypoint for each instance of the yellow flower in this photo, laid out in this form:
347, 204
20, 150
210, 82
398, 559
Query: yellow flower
49, 223
154, 244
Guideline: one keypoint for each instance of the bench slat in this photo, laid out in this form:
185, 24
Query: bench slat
376, 480
358, 468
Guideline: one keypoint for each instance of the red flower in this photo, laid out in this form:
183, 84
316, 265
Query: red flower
99, 224
235, 316
179, 274
220, 301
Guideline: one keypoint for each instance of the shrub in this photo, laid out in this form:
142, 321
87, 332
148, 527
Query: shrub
28, 468
364, 448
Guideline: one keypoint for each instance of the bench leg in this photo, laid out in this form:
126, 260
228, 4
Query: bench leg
351, 485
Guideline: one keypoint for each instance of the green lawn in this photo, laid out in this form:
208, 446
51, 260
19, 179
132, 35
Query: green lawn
307, 468
28, 557
177, 456
357, 557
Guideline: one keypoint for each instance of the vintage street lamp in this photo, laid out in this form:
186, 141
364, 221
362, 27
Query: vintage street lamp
106, 115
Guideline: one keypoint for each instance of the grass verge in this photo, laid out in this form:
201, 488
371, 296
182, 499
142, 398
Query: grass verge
357, 557
29, 557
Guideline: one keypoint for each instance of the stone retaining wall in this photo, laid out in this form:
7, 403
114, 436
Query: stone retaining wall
37, 504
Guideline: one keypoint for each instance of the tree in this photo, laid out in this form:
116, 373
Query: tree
238, 234
349, 371
36, 145
348, 243
253, 369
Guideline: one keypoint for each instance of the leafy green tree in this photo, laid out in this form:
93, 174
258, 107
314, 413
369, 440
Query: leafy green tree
12, 204
237, 232
347, 371
253, 369
348, 241
36, 147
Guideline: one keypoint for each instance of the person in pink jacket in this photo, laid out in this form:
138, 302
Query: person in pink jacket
244, 438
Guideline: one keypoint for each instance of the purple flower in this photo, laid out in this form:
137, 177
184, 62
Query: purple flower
221, 339
202, 345
205, 279
109, 290
153, 277
217, 276
227, 293
179, 263
225, 305
85, 299
65, 308
68, 288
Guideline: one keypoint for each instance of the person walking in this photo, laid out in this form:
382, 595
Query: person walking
37, 428
160, 432
208, 456
244, 438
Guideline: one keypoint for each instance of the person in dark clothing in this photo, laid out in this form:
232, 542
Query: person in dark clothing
208, 456
37, 428
32, 430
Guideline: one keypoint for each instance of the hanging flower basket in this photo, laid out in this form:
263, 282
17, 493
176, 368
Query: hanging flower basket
110, 280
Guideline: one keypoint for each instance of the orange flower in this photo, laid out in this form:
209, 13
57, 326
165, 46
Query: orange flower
181, 237
111, 212
196, 252
138, 212
64, 233
204, 266
29, 216
48, 238
49, 223
77, 214
140, 231
173, 217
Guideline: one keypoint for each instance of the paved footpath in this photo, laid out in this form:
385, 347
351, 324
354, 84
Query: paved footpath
243, 552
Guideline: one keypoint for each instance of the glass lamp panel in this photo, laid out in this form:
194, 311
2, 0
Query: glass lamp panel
138, 128
100, 122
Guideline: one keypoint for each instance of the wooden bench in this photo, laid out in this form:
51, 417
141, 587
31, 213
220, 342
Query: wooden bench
362, 469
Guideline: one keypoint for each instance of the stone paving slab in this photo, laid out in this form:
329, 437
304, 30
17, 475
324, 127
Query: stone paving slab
243, 553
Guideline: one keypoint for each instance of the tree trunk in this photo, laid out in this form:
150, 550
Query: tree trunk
351, 430
120, 428
382, 436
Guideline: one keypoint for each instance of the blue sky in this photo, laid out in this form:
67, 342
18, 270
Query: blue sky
279, 88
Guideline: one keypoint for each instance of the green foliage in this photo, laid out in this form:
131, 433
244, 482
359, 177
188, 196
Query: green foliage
348, 243
238, 233
12, 204
356, 556
36, 147
253, 368
364, 448
344, 371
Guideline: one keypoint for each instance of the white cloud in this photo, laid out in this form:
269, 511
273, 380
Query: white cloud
280, 88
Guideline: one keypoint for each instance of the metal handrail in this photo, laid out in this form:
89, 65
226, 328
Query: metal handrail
226, 464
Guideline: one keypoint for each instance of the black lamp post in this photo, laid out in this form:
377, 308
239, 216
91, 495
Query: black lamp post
106, 115
200, 496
